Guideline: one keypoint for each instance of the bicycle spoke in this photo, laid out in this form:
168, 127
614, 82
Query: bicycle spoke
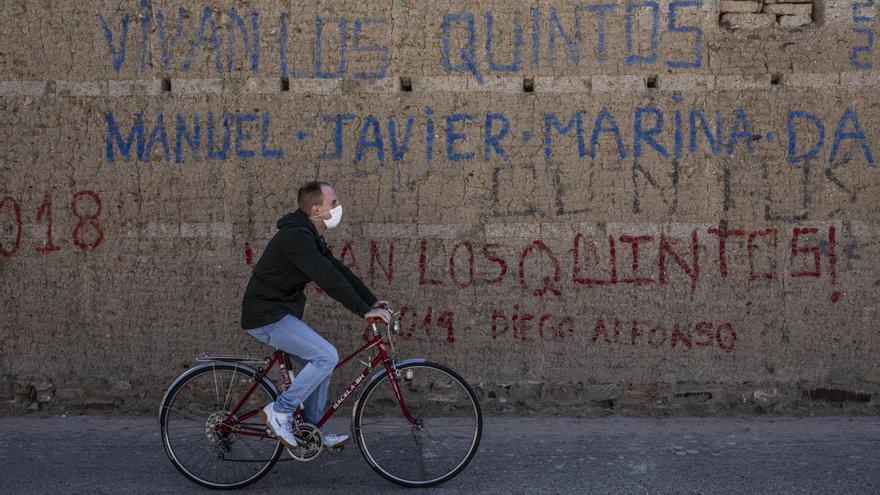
208, 446
252, 449
216, 386
421, 458
228, 392
178, 428
191, 441
212, 468
204, 460
188, 414
446, 439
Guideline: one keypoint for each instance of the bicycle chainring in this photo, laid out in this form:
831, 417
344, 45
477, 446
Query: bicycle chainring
311, 442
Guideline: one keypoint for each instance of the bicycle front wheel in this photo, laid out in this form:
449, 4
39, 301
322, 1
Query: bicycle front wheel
199, 441
446, 433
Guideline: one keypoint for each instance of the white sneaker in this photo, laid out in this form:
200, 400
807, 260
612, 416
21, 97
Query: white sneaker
332, 441
281, 424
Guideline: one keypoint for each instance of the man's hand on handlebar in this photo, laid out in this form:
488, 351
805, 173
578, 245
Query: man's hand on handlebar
381, 304
378, 314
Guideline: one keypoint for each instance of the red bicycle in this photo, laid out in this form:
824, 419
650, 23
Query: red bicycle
417, 423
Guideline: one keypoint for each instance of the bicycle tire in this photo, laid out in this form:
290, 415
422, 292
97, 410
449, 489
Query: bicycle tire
173, 406
438, 397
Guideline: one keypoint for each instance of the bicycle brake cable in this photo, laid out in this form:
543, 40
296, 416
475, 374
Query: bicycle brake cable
388, 328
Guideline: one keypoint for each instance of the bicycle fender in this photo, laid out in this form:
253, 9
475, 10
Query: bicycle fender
211, 364
378, 376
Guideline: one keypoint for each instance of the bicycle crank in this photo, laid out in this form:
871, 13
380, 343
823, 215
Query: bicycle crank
310, 442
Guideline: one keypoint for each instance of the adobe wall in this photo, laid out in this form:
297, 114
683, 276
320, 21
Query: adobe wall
648, 207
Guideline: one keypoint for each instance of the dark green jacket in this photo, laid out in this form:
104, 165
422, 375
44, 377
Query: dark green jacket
295, 256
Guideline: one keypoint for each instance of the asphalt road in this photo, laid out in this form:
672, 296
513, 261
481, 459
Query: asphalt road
682, 455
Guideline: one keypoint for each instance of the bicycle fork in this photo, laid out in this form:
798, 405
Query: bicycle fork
393, 375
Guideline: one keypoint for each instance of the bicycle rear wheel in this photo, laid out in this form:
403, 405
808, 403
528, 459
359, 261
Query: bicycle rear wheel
445, 438
192, 418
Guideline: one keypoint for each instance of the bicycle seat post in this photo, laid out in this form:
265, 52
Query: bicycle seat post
286, 367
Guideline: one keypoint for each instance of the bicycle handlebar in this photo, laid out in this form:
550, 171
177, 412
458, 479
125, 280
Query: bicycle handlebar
386, 307
393, 324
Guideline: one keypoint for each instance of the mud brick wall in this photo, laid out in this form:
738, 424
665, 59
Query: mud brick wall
645, 206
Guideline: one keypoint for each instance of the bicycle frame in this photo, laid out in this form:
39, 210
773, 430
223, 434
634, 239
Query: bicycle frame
233, 423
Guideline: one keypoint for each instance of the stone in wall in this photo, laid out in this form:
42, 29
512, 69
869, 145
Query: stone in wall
740, 6
748, 21
798, 9
793, 21
764, 14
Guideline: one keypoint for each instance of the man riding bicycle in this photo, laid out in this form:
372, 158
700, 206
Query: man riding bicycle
274, 300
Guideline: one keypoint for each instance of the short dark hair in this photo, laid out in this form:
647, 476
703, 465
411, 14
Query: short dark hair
310, 194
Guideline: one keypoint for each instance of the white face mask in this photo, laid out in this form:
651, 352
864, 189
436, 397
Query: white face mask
335, 217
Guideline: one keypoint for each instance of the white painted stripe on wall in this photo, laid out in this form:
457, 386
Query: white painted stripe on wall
529, 230
262, 85
196, 86
598, 84
393, 230
617, 84
685, 229
619, 228
738, 82
76, 89
315, 85
864, 229
804, 80
562, 84
444, 231
686, 82
440, 83
498, 84
183, 231
22, 88
867, 78
150, 87
566, 230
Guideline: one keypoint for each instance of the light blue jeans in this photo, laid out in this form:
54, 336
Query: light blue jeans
317, 356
